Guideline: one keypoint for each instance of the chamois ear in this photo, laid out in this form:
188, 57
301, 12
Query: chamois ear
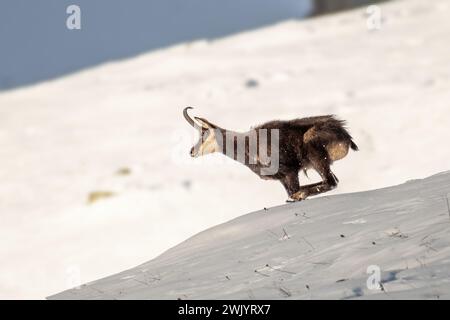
205, 123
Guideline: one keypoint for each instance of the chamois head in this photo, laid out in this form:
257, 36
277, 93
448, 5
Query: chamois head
207, 142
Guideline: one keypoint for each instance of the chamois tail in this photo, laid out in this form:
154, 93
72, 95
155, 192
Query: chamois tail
354, 146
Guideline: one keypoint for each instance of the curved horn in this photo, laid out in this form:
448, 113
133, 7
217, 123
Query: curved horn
188, 118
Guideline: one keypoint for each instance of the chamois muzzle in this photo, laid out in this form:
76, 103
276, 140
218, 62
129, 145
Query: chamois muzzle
194, 149
193, 153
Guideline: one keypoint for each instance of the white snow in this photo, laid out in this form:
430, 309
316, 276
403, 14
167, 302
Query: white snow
64, 139
307, 251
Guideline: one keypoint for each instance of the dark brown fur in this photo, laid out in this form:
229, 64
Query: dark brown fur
303, 145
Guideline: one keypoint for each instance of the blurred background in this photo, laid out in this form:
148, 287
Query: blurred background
94, 152
35, 47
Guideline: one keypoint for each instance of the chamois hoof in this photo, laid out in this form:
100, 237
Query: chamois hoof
299, 196
293, 201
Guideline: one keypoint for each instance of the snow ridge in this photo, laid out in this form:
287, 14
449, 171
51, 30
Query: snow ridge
316, 249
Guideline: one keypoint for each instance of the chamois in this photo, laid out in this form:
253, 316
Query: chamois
307, 143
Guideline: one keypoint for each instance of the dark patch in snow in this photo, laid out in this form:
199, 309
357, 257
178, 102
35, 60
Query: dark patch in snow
251, 83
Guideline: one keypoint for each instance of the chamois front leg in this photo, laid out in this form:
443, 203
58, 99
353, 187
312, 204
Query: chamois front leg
290, 183
306, 191
314, 189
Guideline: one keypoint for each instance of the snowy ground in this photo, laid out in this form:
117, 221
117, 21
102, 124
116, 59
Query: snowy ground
317, 249
118, 129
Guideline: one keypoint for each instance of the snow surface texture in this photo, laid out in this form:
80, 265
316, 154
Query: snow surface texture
66, 141
316, 249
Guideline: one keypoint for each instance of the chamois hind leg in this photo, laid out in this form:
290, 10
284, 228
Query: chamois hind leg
329, 180
290, 183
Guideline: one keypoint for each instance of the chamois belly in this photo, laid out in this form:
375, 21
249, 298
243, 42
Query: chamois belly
337, 150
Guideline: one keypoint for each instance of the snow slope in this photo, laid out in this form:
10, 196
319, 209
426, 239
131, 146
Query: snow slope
317, 249
68, 140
